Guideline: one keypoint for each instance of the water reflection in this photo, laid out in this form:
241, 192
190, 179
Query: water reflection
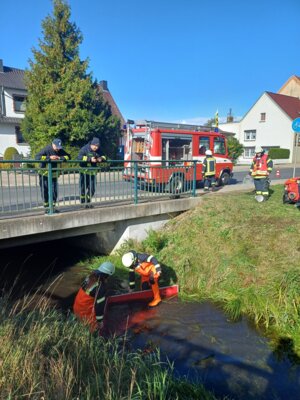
230, 358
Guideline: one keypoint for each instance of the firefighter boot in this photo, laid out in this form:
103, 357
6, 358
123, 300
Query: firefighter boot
156, 299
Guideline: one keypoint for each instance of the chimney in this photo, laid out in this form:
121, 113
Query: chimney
229, 116
1, 65
104, 86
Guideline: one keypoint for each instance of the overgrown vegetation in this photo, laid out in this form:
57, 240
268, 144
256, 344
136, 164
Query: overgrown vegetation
47, 355
240, 253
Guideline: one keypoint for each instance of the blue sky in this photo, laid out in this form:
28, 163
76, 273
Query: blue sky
172, 60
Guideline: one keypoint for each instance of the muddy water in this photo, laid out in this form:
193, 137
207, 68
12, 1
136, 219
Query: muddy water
230, 358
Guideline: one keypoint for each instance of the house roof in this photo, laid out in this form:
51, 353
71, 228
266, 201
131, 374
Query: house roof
12, 78
108, 97
290, 105
292, 78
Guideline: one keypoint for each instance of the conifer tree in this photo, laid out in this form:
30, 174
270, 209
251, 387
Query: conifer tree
63, 100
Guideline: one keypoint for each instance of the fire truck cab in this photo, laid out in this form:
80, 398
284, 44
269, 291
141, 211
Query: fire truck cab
173, 147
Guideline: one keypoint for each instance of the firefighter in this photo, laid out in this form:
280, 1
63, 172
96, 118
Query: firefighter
149, 268
260, 170
89, 304
209, 171
90, 156
53, 152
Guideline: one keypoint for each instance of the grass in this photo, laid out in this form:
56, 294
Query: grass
239, 253
45, 354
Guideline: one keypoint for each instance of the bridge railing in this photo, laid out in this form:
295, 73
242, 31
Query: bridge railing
26, 188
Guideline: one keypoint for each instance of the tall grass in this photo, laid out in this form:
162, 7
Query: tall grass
240, 253
45, 354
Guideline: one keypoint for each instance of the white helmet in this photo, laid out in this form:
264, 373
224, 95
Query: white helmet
128, 259
258, 149
107, 268
208, 153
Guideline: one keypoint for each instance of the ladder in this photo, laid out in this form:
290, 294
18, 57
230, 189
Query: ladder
169, 125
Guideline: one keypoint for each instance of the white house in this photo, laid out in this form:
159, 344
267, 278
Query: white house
12, 109
268, 123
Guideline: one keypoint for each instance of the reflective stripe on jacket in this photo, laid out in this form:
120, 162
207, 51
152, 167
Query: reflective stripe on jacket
209, 166
86, 154
44, 156
145, 265
261, 166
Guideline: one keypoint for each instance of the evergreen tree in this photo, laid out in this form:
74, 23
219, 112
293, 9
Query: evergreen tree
63, 100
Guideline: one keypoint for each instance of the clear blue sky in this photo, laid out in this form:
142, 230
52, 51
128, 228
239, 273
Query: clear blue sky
172, 60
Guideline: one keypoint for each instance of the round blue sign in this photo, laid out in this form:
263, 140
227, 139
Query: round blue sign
296, 125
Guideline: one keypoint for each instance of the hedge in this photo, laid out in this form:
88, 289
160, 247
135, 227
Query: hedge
279, 154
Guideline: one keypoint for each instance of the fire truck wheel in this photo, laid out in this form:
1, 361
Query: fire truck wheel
224, 179
285, 198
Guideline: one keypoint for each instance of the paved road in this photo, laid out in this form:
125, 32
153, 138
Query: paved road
14, 200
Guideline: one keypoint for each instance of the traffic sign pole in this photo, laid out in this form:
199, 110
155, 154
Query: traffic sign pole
296, 129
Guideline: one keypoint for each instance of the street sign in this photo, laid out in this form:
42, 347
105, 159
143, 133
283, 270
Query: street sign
296, 125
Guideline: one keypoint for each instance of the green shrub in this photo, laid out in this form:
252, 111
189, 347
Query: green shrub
10, 153
279, 154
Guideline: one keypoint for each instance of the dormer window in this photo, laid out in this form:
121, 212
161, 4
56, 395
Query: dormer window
262, 117
19, 103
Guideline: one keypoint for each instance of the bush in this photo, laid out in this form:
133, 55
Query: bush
9, 154
279, 154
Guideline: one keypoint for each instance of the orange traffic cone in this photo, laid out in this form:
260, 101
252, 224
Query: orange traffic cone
278, 173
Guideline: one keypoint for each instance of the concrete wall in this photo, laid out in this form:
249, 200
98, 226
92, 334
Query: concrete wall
105, 228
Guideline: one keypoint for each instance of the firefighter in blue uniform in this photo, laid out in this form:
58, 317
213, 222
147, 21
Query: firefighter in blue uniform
209, 171
53, 152
90, 156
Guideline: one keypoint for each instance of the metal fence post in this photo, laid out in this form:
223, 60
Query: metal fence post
135, 182
50, 189
194, 179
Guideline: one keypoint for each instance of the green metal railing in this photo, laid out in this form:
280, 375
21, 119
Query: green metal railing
26, 188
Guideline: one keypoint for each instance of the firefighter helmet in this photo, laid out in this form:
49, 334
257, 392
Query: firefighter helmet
258, 149
107, 268
208, 153
128, 259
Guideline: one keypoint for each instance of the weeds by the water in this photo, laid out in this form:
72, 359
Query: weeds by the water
45, 354
243, 254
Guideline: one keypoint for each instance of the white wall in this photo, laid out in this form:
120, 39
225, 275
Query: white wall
276, 130
8, 139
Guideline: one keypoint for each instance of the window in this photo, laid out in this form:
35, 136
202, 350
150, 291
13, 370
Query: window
250, 135
19, 103
203, 144
177, 148
19, 136
219, 145
262, 117
249, 152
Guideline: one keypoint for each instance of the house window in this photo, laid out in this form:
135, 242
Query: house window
249, 152
19, 103
19, 136
262, 117
249, 135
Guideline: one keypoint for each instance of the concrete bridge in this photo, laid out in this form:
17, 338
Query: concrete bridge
101, 229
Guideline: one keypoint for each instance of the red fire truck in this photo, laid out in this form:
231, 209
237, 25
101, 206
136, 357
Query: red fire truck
165, 153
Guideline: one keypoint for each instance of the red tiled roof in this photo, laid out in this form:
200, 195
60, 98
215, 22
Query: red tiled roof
290, 105
114, 108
